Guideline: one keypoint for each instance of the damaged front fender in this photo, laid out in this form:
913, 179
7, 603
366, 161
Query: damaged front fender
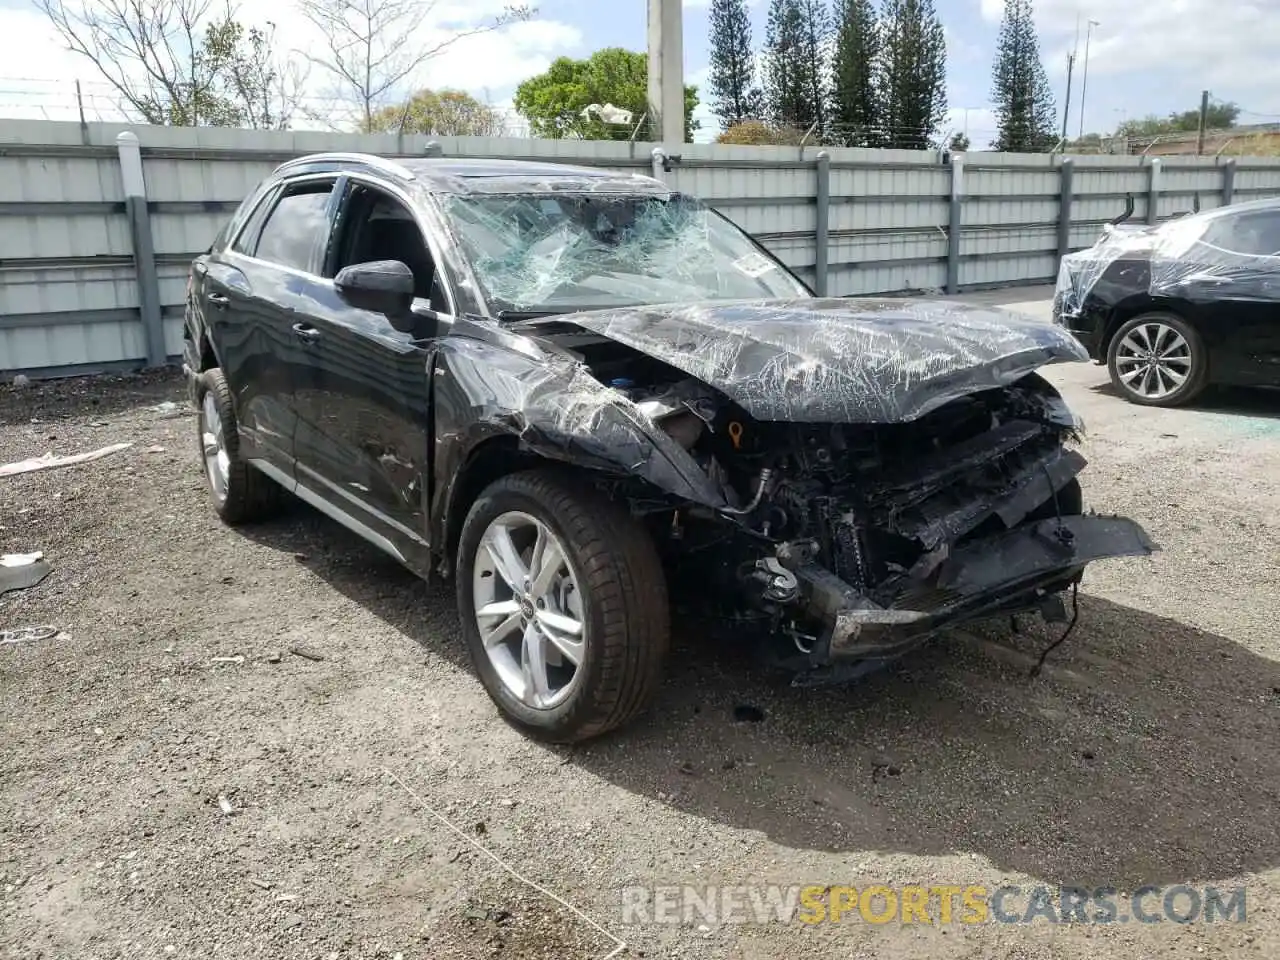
484, 387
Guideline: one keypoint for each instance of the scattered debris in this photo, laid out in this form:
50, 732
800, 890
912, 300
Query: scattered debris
21, 380
262, 884
225, 805
18, 571
306, 654
746, 713
686, 767
49, 461
236, 659
168, 406
274, 657
27, 634
507, 802
155, 449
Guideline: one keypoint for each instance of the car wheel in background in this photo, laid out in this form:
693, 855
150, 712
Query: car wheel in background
1158, 360
240, 493
563, 603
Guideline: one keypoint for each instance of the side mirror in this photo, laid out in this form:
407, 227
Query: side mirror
382, 286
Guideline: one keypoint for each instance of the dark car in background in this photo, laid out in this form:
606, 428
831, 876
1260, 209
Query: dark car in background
583, 395
1175, 307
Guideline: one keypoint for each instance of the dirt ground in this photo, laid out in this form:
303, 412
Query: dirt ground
380, 809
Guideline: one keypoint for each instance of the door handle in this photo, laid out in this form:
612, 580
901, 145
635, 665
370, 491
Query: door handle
219, 300
305, 331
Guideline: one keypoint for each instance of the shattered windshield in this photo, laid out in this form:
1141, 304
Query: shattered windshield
540, 252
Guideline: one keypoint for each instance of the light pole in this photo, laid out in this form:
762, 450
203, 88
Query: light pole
1084, 81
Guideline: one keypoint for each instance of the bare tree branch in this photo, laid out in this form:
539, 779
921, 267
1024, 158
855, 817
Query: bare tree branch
372, 48
172, 62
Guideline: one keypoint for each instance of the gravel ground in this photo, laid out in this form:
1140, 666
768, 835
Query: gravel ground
380, 809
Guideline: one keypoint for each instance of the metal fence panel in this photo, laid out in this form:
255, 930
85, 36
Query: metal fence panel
865, 221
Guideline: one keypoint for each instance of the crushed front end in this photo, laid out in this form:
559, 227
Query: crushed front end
848, 545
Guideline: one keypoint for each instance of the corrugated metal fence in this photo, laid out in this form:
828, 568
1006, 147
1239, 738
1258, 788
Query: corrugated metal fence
93, 258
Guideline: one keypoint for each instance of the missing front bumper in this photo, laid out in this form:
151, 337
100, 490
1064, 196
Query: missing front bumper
1017, 570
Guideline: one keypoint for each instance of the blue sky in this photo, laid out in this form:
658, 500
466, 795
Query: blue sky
1146, 56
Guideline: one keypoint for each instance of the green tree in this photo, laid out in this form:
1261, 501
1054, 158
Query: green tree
795, 57
959, 142
441, 113
735, 95
913, 73
1220, 116
554, 102
1025, 111
855, 100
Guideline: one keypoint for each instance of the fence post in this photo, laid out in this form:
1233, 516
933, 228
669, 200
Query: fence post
144, 254
821, 255
954, 222
1228, 182
1065, 196
1153, 193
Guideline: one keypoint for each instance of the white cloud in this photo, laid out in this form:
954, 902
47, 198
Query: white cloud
1151, 57
37, 74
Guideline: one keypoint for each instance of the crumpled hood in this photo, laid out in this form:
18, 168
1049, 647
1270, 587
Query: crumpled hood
839, 360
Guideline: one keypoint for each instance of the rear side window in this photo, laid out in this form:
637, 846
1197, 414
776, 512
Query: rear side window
1254, 234
296, 226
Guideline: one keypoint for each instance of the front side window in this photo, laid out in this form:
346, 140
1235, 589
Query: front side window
296, 225
544, 252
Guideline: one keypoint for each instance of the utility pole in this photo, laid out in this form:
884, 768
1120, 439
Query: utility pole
1204, 117
1066, 109
666, 70
1084, 79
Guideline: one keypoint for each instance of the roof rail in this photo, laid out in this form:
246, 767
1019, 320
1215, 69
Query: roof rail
363, 159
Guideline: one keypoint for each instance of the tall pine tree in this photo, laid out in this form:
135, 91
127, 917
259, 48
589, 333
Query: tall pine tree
795, 53
913, 73
1025, 111
735, 96
855, 100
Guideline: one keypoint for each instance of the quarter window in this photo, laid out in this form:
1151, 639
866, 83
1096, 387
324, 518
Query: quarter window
297, 225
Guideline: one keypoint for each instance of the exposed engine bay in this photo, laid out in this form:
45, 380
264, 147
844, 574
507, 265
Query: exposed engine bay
854, 542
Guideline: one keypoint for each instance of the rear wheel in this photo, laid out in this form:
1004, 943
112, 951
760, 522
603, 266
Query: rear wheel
1158, 360
240, 493
563, 603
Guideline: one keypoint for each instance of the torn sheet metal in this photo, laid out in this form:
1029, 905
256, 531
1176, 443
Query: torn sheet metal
840, 361
1230, 253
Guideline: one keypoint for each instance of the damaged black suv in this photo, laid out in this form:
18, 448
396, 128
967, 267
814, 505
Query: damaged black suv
590, 400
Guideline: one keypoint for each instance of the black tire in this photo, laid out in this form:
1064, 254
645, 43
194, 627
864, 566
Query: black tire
624, 603
250, 494
1197, 376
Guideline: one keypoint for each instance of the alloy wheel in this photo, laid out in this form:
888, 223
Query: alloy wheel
529, 610
217, 462
1153, 360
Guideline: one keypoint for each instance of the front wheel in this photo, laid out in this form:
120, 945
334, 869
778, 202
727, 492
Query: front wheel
563, 603
240, 493
1158, 360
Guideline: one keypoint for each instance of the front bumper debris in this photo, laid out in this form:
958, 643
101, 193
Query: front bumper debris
1020, 569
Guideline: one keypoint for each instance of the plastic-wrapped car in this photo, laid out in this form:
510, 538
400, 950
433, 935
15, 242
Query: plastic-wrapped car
1174, 307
